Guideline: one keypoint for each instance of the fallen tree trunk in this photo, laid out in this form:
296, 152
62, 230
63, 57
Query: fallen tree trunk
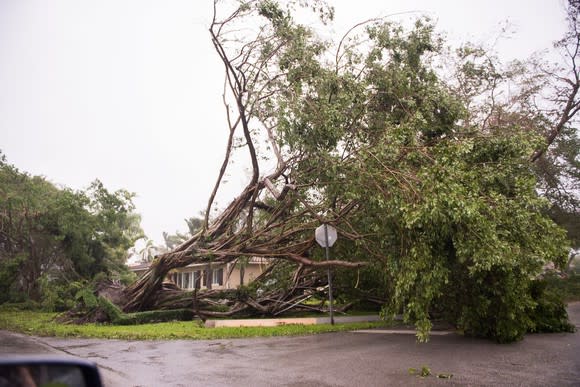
264, 220
305, 285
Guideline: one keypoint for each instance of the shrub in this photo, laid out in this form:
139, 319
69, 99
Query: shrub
112, 312
154, 316
86, 298
568, 288
549, 314
495, 304
58, 295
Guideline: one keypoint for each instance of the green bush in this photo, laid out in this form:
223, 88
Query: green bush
244, 292
58, 295
9, 268
27, 305
549, 314
505, 305
128, 278
495, 304
87, 298
154, 316
114, 315
98, 278
568, 288
111, 310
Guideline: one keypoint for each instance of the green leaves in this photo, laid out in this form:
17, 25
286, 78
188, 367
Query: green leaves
430, 186
54, 236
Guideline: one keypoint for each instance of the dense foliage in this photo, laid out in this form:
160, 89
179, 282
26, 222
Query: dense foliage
53, 241
446, 210
428, 177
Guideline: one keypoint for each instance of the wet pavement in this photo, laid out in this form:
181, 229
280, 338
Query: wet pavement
371, 358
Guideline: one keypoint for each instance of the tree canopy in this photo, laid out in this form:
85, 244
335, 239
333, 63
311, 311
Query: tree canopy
429, 181
51, 236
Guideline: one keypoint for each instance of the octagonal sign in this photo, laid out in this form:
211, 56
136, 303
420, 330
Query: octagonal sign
321, 237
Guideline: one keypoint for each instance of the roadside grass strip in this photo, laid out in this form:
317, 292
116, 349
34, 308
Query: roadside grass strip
44, 324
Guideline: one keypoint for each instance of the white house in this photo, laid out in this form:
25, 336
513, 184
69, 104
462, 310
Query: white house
213, 276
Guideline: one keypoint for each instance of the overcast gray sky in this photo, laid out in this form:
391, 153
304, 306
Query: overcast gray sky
129, 91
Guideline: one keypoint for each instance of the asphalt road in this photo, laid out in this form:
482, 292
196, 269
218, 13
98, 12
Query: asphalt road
334, 359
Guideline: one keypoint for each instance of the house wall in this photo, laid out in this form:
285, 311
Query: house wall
194, 276
251, 272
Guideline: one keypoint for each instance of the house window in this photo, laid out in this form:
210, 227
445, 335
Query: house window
186, 281
218, 276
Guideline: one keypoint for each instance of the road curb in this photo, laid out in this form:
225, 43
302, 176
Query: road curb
402, 332
273, 322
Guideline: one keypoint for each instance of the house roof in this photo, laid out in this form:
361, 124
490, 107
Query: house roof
139, 266
145, 265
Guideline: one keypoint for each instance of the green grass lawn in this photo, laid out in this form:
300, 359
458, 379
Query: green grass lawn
43, 324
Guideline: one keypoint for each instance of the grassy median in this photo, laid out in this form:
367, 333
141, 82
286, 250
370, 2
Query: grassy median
44, 324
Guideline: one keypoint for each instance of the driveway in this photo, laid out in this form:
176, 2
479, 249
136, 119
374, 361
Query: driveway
372, 358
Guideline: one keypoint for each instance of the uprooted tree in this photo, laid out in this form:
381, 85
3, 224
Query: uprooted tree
437, 211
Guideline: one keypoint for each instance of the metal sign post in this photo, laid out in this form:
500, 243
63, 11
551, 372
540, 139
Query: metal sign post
326, 236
